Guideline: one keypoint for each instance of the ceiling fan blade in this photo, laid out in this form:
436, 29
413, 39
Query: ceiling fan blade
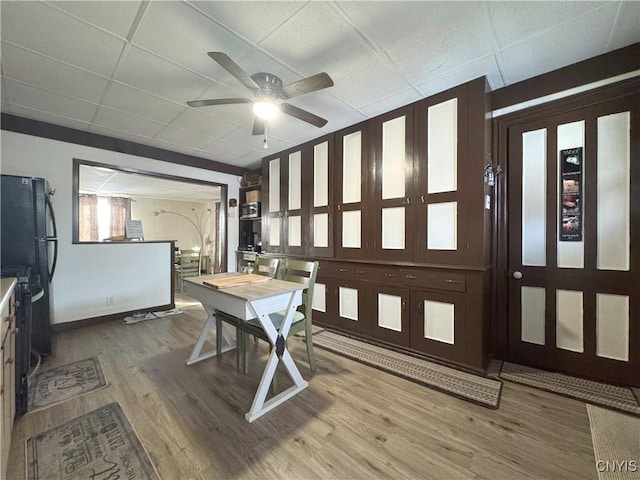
258, 126
303, 115
234, 69
306, 85
218, 101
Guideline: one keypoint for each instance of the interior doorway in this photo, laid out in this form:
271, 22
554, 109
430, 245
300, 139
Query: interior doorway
571, 231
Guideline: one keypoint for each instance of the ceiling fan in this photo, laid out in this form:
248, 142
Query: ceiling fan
267, 89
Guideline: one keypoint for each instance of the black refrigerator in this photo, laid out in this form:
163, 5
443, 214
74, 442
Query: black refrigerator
28, 239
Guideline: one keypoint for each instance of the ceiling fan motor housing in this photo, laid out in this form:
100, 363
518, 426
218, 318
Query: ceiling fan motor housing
270, 85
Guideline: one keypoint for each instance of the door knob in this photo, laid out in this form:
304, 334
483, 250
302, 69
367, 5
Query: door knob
517, 275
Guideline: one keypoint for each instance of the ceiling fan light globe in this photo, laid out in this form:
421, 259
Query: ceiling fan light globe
266, 110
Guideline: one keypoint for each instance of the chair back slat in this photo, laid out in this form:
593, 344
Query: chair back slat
267, 266
300, 271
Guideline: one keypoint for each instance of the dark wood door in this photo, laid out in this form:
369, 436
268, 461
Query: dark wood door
438, 324
389, 202
388, 307
351, 236
574, 241
319, 189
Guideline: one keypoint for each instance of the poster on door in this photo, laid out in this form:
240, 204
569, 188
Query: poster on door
571, 195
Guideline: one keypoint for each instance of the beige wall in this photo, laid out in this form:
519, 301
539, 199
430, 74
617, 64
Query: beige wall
172, 227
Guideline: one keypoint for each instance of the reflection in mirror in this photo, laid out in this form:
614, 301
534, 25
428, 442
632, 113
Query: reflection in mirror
116, 205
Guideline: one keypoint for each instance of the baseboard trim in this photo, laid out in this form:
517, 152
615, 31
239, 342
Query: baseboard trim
90, 322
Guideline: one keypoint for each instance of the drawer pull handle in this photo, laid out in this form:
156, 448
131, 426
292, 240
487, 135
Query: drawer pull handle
448, 280
389, 275
410, 277
344, 270
359, 272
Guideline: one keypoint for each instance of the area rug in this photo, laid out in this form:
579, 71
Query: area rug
609, 396
98, 445
65, 382
474, 388
616, 444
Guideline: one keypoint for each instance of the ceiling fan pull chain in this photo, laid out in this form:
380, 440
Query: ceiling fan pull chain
265, 145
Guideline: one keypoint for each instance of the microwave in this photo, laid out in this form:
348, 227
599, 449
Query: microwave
250, 210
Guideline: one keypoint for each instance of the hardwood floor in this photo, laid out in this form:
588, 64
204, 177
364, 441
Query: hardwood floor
352, 422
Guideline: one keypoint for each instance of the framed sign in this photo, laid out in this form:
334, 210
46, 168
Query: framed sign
571, 195
133, 229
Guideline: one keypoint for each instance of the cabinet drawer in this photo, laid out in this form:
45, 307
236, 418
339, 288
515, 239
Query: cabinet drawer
377, 274
336, 270
434, 279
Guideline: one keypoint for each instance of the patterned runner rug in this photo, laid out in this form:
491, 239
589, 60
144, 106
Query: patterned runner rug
98, 445
474, 388
616, 444
610, 396
65, 382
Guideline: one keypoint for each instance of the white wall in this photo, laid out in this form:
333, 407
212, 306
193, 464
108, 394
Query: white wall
167, 226
137, 275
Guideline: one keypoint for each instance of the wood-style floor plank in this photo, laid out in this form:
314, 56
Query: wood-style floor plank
352, 422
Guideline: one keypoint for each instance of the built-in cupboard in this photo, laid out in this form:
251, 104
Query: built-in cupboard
404, 259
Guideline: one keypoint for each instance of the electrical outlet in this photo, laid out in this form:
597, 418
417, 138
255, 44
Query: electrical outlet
111, 300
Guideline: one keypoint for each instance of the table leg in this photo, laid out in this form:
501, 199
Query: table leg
221, 332
279, 352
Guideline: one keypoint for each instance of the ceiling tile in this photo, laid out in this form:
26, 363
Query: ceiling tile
391, 102
40, 71
367, 80
243, 136
103, 13
193, 120
486, 66
108, 117
327, 106
128, 99
39, 27
514, 21
177, 31
24, 95
253, 161
118, 133
252, 20
48, 117
627, 28
178, 136
160, 77
228, 150
441, 46
551, 50
182, 148
316, 39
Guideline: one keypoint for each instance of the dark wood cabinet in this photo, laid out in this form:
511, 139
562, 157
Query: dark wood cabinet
389, 203
299, 208
352, 186
452, 134
318, 161
429, 311
402, 226
250, 221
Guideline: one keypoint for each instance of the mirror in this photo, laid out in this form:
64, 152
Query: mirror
117, 204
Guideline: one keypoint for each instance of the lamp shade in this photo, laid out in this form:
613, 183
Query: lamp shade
266, 109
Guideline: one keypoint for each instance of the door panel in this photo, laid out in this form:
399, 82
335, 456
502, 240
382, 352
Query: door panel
573, 196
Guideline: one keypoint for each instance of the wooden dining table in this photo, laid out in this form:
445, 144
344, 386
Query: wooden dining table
246, 301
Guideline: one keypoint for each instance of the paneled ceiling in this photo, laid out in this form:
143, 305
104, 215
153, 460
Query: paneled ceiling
126, 69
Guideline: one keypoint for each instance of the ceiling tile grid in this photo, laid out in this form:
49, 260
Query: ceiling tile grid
128, 71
